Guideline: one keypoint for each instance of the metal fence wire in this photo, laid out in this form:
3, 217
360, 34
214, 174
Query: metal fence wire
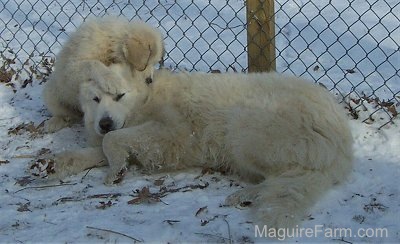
349, 46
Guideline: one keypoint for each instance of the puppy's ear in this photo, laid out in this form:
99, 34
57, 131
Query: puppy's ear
143, 49
137, 53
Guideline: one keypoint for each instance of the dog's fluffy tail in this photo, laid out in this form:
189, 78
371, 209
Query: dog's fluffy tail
282, 201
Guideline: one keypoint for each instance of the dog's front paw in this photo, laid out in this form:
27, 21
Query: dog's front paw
64, 165
242, 197
56, 123
56, 167
115, 177
276, 209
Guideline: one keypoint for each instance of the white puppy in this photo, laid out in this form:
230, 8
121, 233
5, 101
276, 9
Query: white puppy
85, 57
286, 135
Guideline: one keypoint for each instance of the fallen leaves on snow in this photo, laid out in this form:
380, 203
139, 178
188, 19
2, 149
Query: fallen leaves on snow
145, 196
42, 167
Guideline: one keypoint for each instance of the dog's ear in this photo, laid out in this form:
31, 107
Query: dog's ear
137, 53
143, 50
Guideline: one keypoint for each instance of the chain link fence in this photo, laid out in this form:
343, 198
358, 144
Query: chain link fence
349, 46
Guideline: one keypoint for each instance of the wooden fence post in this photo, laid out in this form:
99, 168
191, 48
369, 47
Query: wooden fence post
261, 35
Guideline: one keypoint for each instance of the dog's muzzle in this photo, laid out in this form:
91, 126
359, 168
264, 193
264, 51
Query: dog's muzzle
106, 124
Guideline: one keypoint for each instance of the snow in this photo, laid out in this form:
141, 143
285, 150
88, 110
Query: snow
187, 206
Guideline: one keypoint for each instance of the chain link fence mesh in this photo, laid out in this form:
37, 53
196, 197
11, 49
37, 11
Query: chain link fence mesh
349, 46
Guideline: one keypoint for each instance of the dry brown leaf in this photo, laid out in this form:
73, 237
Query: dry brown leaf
206, 221
203, 209
43, 167
27, 82
145, 196
104, 205
159, 182
23, 181
25, 127
105, 195
374, 205
24, 207
43, 151
393, 110
6, 75
4, 162
171, 221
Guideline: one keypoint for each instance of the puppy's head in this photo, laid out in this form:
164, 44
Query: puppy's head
109, 104
143, 47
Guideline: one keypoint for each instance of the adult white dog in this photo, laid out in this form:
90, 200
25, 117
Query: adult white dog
98, 43
287, 136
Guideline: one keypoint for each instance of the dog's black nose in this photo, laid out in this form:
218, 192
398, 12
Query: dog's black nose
106, 124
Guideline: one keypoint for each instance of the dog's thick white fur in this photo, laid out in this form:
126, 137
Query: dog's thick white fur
287, 136
98, 43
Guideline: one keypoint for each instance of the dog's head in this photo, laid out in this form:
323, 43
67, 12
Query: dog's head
108, 105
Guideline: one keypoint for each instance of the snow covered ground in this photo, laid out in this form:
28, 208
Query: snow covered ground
179, 207
187, 206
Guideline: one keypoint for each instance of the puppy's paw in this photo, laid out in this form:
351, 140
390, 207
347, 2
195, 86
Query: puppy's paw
57, 167
115, 177
56, 123
274, 208
242, 197
109, 82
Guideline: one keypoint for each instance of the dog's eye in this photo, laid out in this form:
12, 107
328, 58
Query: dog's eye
96, 99
119, 96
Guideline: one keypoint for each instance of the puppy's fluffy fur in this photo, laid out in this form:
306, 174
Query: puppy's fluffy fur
286, 135
85, 57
